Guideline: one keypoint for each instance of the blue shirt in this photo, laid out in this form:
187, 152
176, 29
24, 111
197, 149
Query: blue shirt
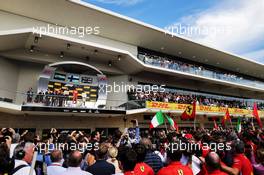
154, 161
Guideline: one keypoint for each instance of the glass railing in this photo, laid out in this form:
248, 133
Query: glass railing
133, 101
198, 70
63, 101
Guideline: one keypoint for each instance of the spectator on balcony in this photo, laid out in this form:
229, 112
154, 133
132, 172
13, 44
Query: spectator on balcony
30, 94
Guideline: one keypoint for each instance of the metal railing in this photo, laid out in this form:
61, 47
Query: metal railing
131, 102
66, 101
198, 70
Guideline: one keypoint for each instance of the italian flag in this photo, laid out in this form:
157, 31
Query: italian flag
157, 120
238, 127
172, 123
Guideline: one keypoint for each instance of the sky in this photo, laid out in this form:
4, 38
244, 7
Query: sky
235, 26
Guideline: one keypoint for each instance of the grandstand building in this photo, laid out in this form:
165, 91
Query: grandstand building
72, 53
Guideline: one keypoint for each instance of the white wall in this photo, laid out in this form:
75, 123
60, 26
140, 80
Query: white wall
8, 78
12, 22
118, 98
28, 74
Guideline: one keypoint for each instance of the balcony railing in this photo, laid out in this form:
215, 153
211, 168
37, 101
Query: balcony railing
133, 102
63, 101
198, 70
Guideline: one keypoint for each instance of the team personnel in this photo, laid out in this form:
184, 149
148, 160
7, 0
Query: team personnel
212, 161
175, 167
241, 163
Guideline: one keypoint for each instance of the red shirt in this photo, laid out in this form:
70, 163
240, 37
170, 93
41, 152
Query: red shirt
217, 172
242, 163
143, 169
75, 93
176, 168
129, 173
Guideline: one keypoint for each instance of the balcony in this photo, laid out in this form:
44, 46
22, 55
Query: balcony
166, 63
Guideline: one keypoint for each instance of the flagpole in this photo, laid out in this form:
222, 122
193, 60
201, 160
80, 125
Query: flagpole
231, 124
166, 126
194, 125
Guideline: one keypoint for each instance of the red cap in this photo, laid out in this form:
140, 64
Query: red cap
188, 136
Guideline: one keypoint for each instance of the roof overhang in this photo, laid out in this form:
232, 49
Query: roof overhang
127, 30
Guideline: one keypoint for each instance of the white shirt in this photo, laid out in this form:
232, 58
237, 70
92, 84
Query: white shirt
22, 171
75, 171
55, 169
12, 148
196, 165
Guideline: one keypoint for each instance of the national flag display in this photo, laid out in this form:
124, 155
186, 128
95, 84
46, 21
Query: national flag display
256, 115
189, 112
226, 117
172, 123
157, 120
239, 127
215, 124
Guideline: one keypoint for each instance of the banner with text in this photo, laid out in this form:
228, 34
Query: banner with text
199, 108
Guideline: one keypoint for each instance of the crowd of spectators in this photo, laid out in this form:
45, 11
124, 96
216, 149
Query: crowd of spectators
133, 152
169, 63
183, 98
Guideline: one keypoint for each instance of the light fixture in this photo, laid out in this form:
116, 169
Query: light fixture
61, 54
32, 48
162, 48
119, 57
95, 51
36, 39
179, 53
109, 63
87, 58
68, 46
194, 56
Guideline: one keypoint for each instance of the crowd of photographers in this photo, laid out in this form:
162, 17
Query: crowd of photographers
133, 152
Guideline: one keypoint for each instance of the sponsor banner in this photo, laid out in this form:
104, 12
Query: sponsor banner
208, 109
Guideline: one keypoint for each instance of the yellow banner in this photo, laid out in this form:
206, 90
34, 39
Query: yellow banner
208, 109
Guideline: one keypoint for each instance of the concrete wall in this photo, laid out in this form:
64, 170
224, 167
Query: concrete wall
28, 74
17, 77
8, 78
13, 22
41, 122
63, 122
118, 96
